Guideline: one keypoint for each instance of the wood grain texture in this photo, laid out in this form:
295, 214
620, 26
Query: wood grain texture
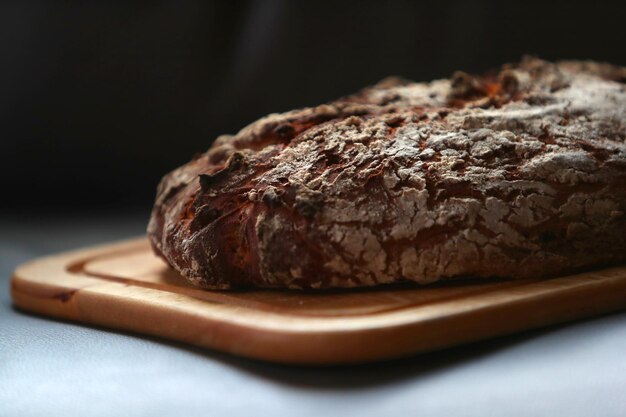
124, 286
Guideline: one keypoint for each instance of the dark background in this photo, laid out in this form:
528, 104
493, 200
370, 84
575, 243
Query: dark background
98, 99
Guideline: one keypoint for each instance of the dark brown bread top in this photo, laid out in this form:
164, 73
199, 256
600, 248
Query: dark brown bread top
520, 173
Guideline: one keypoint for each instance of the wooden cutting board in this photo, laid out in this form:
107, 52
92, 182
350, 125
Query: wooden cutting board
124, 286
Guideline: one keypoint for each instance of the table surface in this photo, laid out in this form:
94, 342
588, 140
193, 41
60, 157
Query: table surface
50, 368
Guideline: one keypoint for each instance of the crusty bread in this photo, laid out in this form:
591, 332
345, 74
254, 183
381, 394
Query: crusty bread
517, 174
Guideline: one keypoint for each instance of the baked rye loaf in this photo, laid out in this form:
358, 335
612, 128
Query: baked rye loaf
518, 173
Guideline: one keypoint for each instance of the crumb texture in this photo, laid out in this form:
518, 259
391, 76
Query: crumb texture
515, 174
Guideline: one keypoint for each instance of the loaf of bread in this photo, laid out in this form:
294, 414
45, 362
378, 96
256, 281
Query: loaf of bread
515, 174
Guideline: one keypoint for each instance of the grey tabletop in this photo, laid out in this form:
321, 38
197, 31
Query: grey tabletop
53, 368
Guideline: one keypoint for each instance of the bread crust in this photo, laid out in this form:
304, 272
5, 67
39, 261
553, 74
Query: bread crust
518, 173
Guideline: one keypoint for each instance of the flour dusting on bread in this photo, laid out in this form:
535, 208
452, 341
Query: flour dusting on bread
515, 174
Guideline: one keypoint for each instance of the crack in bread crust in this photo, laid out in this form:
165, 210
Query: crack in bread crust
516, 174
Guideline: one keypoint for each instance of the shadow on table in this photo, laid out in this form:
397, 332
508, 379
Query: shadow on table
364, 376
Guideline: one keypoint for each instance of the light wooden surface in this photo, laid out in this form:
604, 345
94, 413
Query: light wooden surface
124, 286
